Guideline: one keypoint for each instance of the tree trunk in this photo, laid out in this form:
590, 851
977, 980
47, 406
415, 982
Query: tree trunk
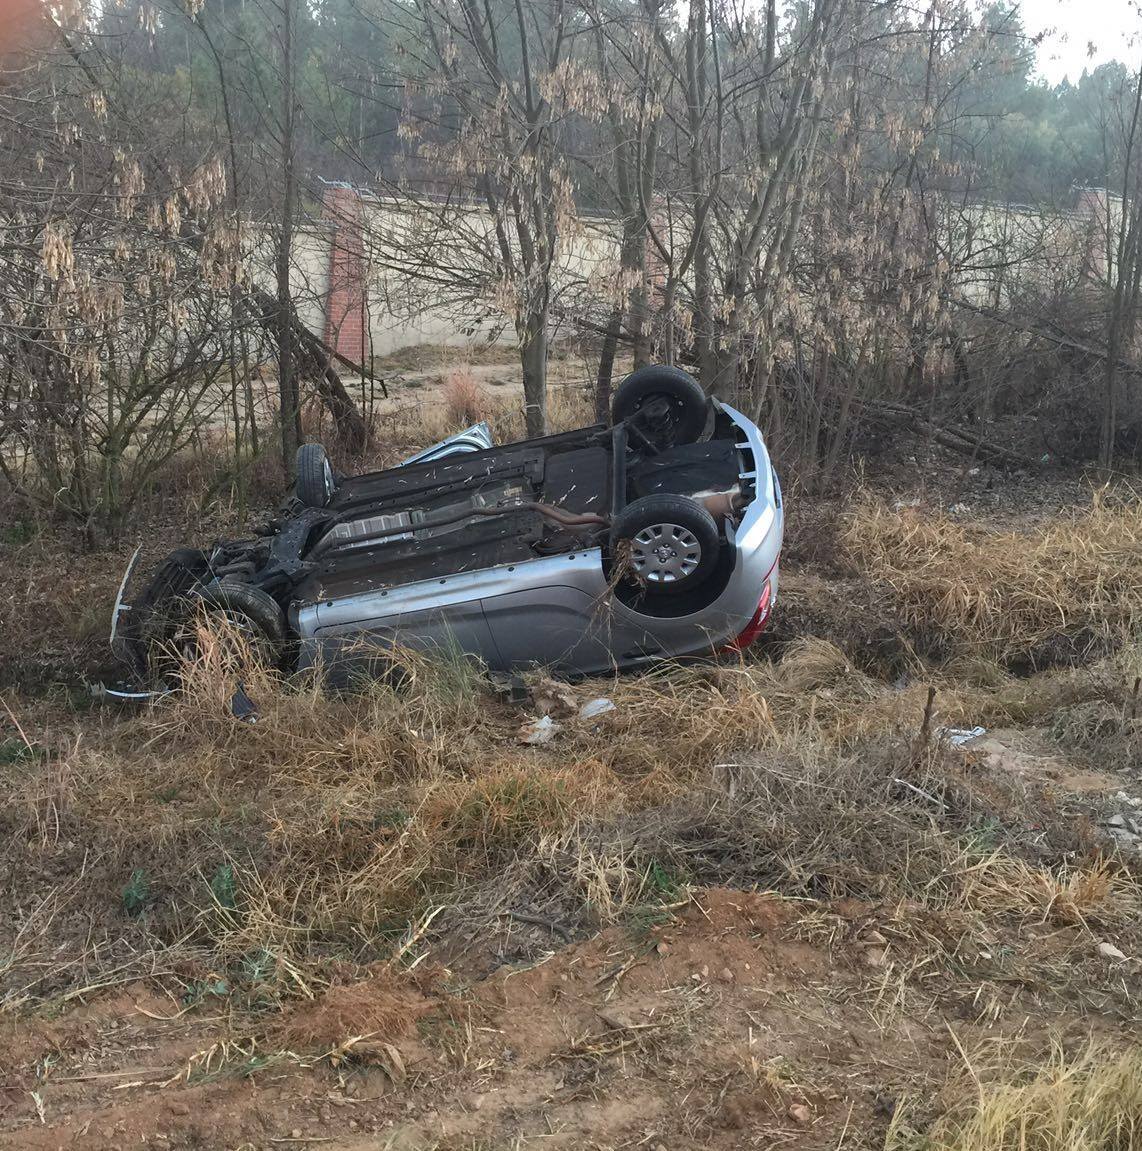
607, 365
533, 359
287, 380
634, 260
725, 352
696, 45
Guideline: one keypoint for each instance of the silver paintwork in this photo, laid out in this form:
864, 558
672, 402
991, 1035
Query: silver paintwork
557, 611
473, 439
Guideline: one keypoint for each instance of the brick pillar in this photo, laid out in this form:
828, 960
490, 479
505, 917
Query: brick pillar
345, 304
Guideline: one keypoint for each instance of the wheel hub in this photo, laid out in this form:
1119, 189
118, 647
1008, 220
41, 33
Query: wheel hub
665, 553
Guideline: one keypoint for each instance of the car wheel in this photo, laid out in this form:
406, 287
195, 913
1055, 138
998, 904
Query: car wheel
316, 485
672, 403
667, 543
256, 624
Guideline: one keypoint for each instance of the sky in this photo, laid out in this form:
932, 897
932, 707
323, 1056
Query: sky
1112, 27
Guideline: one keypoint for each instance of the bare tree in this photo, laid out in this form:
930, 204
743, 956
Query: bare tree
288, 398
1124, 270
496, 84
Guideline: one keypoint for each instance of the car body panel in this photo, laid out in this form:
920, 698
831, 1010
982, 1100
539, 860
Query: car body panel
476, 438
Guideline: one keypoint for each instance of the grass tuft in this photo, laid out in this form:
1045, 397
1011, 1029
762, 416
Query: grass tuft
1091, 1101
1054, 595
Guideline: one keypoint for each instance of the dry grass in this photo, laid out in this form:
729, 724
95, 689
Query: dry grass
1021, 598
337, 821
1095, 895
1090, 1101
1107, 733
381, 1008
339, 832
463, 401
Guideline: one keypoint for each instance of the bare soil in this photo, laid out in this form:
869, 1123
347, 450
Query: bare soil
734, 1022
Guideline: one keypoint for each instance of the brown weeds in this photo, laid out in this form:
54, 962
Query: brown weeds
1037, 597
1089, 1101
463, 401
337, 820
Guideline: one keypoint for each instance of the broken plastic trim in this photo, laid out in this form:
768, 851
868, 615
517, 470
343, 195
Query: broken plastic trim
135, 696
120, 606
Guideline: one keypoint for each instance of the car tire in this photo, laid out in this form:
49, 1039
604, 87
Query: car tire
316, 484
253, 604
667, 543
256, 614
688, 405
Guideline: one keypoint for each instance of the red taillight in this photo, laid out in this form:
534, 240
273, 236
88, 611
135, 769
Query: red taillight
755, 626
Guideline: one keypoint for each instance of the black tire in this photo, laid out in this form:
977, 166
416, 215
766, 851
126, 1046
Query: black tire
316, 485
669, 542
260, 608
687, 405
256, 614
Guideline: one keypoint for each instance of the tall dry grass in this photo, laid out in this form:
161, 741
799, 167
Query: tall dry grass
337, 821
1085, 1101
463, 400
1070, 587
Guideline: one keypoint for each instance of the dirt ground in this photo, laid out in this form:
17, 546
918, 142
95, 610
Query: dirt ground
710, 1017
734, 1022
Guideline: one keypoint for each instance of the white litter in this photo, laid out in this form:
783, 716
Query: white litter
596, 707
958, 736
1109, 951
539, 731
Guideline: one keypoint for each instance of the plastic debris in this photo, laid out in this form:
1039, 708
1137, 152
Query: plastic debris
1109, 951
596, 707
543, 729
242, 707
958, 736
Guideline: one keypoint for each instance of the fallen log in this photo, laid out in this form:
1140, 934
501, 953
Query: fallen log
976, 447
316, 355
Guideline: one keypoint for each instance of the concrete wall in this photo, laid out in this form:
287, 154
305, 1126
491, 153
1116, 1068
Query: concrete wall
362, 269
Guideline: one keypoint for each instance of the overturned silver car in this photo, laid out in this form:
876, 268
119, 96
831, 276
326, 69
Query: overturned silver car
584, 552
